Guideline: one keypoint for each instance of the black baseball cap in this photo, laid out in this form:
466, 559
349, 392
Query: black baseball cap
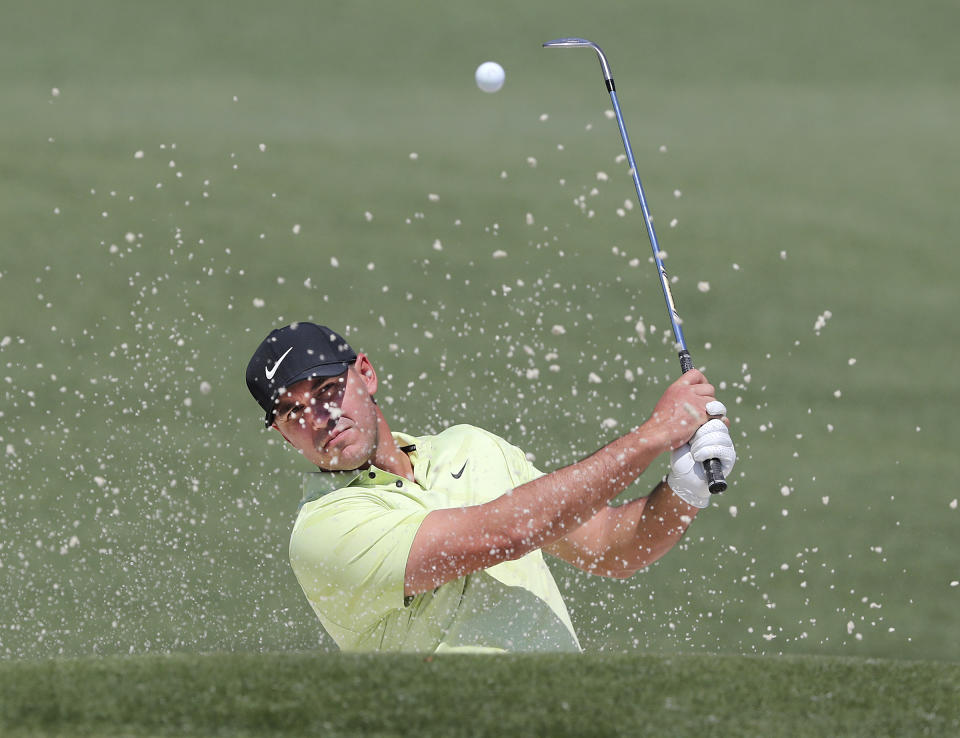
290, 354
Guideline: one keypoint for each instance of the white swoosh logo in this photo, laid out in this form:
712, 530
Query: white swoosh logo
271, 372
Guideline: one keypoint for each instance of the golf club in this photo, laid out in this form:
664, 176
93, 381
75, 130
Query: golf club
714, 472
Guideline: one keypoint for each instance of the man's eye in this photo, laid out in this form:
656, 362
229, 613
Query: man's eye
326, 391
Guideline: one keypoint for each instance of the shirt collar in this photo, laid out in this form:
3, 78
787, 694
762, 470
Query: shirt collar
319, 483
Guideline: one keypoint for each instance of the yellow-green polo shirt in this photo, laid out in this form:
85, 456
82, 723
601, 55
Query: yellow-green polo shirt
352, 537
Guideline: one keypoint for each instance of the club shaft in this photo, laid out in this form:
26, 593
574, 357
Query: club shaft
714, 472
648, 220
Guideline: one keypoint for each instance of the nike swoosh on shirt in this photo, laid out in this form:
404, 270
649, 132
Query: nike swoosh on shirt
459, 473
271, 372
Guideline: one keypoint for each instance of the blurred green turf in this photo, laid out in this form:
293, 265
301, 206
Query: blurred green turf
548, 695
813, 147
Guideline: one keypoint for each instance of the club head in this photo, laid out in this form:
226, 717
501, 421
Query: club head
570, 41
573, 43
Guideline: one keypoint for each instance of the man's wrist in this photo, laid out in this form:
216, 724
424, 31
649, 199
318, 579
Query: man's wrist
650, 432
688, 499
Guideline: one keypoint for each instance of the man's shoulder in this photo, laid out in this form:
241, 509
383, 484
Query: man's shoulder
348, 506
460, 442
318, 483
332, 492
464, 433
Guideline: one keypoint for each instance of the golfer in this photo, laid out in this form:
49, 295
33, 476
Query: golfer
435, 543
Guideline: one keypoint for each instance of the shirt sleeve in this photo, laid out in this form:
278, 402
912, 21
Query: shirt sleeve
349, 552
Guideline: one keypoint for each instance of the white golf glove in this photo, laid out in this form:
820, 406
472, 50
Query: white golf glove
687, 477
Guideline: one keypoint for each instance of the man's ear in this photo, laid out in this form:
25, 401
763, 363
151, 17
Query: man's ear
367, 373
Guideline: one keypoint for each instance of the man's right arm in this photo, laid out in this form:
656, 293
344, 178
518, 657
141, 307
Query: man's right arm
451, 543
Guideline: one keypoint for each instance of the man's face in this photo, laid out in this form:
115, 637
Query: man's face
332, 421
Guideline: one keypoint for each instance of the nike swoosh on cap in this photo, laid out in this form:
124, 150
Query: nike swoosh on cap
459, 473
271, 372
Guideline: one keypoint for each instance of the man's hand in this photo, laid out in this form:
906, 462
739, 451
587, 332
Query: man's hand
681, 410
687, 478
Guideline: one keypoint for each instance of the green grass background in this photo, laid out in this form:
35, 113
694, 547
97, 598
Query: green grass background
814, 149
544, 695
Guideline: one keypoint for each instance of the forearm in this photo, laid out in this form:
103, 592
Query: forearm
663, 520
619, 541
549, 508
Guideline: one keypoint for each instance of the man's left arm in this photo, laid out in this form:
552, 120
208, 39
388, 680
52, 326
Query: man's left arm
619, 541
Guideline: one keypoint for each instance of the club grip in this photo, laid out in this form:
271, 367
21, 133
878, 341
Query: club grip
715, 480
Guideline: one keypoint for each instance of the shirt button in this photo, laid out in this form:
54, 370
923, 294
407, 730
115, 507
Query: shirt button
371, 474
399, 483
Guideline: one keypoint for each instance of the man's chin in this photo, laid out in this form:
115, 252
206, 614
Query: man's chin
343, 461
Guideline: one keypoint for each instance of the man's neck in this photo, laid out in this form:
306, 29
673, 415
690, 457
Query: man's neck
388, 455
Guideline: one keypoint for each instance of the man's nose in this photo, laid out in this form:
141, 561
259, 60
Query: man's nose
321, 418
315, 417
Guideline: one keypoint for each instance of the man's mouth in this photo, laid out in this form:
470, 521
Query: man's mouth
334, 435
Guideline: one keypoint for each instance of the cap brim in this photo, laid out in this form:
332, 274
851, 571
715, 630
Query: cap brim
324, 370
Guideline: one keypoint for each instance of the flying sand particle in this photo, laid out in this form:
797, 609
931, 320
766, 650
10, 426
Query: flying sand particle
641, 330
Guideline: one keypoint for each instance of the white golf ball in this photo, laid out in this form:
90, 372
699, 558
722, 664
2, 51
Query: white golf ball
490, 76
